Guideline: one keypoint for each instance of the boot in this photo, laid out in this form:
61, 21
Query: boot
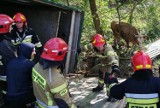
97, 89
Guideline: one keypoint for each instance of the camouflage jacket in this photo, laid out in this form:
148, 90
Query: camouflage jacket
107, 57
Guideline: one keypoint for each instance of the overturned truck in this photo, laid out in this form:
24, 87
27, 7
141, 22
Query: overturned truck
49, 19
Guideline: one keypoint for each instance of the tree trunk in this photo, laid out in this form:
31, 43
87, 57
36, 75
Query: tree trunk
95, 16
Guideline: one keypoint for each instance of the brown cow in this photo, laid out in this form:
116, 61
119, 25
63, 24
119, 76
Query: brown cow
124, 30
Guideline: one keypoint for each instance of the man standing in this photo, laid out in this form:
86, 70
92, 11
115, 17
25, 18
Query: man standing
7, 50
22, 33
50, 86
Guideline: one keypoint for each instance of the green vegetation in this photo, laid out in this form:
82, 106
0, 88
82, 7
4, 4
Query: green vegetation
143, 14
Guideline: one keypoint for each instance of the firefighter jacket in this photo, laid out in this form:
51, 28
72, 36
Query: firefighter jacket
19, 74
107, 57
139, 93
49, 86
27, 35
7, 53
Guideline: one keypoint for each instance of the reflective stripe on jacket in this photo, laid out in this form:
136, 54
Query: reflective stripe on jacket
138, 93
49, 84
27, 35
142, 100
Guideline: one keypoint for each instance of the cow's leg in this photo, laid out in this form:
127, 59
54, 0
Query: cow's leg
115, 40
127, 42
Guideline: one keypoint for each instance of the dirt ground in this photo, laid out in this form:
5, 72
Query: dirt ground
82, 95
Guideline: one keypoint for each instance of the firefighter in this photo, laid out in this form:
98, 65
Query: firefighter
107, 60
19, 78
22, 33
7, 50
142, 89
50, 87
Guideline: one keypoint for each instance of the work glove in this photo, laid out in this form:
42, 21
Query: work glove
110, 79
115, 69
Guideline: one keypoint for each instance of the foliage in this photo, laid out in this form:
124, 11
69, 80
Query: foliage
143, 14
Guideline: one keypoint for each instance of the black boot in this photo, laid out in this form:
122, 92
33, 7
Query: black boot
97, 89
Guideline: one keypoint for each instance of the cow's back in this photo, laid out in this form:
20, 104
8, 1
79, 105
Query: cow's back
128, 32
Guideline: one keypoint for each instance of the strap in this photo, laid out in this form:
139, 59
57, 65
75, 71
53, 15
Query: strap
50, 74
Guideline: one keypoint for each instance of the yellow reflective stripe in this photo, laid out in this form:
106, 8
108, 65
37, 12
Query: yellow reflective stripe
143, 101
94, 41
86, 47
50, 102
73, 106
148, 66
38, 79
40, 106
111, 85
103, 64
63, 92
100, 81
59, 88
142, 106
16, 43
110, 53
114, 61
27, 40
141, 66
38, 44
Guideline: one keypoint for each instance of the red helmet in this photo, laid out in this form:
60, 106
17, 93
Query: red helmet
5, 22
55, 49
98, 40
19, 17
141, 60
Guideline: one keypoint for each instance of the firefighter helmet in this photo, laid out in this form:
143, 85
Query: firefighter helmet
19, 17
141, 60
55, 49
5, 22
98, 40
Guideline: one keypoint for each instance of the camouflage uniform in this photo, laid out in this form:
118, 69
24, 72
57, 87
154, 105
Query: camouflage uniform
105, 60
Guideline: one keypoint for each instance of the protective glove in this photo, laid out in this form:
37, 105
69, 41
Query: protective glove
110, 79
115, 69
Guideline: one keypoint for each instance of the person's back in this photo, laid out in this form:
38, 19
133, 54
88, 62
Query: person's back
52, 80
142, 89
19, 80
50, 87
7, 53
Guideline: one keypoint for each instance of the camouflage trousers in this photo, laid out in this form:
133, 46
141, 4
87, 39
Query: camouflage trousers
101, 69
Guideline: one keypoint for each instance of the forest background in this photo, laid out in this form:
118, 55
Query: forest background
98, 15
